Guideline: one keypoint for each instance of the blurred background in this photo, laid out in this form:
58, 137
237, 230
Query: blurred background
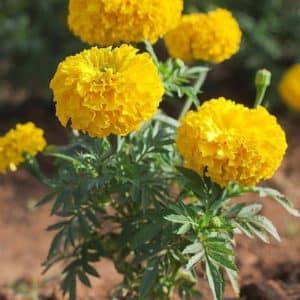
34, 38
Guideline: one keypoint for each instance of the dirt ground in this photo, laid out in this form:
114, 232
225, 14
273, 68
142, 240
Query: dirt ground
266, 269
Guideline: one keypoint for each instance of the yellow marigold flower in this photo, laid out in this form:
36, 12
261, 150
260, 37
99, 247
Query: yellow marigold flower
289, 87
25, 138
107, 91
104, 22
212, 37
234, 143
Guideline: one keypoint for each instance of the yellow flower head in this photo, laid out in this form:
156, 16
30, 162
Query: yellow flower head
232, 142
289, 87
104, 22
212, 37
26, 138
107, 91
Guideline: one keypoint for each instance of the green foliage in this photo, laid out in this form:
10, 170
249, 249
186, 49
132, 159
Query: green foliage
177, 77
127, 199
34, 38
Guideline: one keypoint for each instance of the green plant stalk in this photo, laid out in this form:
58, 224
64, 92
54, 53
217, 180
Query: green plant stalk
166, 119
260, 95
32, 166
189, 102
262, 81
152, 53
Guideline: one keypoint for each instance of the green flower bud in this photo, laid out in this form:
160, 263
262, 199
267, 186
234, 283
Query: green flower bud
263, 78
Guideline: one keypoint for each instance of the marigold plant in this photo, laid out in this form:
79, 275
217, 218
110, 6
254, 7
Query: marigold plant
24, 139
212, 37
121, 189
107, 91
289, 87
104, 23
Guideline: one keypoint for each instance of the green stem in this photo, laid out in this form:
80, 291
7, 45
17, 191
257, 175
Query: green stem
197, 86
151, 51
31, 165
114, 143
260, 95
166, 119
64, 157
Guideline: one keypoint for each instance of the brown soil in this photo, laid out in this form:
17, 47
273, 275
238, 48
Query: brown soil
266, 271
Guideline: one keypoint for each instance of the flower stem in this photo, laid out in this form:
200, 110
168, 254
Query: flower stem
114, 142
151, 51
197, 86
260, 95
166, 119
262, 81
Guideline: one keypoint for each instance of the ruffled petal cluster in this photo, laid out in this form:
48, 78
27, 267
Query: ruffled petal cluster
231, 143
106, 22
25, 138
212, 37
289, 87
107, 91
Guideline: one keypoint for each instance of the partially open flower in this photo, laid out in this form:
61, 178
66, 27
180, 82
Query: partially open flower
212, 37
289, 87
103, 22
107, 91
231, 142
26, 138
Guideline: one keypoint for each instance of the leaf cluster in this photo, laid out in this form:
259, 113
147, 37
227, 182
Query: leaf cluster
127, 199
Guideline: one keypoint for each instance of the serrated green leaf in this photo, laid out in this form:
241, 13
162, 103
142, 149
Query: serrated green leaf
84, 278
69, 285
84, 225
55, 244
233, 210
194, 181
243, 228
184, 229
149, 279
219, 248
63, 198
90, 270
193, 248
46, 199
177, 219
233, 278
215, 280
266, 224
57, 226
278, 197
194, 259
224, 261
72, 267
258, 232
250, 210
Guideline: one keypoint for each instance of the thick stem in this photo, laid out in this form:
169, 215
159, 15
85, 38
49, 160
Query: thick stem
260, 95
114, 143
197, 86
151, 51
166, 119
32, 166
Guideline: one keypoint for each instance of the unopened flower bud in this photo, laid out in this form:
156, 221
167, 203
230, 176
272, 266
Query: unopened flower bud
263, 78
